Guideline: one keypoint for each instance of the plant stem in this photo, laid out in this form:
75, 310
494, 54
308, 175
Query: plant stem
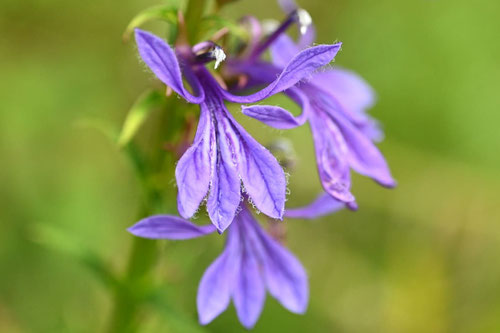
127, 298
138, 280
194, 13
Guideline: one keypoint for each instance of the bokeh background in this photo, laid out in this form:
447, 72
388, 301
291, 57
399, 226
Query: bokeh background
420, 258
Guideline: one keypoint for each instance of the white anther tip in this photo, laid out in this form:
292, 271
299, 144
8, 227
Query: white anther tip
219, 55
305, 20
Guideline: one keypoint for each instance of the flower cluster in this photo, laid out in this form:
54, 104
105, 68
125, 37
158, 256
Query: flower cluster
225, 168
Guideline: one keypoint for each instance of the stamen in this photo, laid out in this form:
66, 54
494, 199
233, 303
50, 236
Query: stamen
270, 26
305, 20
299, 16
262, 47
217, 53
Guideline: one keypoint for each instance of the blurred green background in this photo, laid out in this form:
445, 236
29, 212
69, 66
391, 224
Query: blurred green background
420, 258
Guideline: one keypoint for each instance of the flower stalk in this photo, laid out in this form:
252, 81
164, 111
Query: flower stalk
194, 13
138, 279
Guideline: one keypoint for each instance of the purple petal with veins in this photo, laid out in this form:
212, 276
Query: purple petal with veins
251, 262
278, 117
193, 172
262, 175
299, 68
214, 291
331, 150
162, 61
225, 189
169, 227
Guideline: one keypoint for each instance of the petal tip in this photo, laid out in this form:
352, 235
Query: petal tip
390, 183
204, 320
139, 32
131, 230
352, 206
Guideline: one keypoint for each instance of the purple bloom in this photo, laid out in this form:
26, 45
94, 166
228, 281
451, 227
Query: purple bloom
252, 262
223, 155
334, 102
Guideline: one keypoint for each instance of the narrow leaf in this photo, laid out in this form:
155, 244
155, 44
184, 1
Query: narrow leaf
165, 13
138, 115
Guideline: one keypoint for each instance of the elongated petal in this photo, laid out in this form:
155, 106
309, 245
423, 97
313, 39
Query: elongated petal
288, 6
225, 195
225, 190
194, 168
363, 155
169, 227
350, 95
214, 291
278, 117
284, 275
349, 89
162, 61
249, 291
331, 158
262, 176
325, 204
273, 116
300, 67
283, 50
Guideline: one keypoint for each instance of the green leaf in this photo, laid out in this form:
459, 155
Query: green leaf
165, 13
107, 129
138, 114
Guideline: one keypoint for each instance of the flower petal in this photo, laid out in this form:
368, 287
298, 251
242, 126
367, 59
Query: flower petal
283, 50
194, 168
331, 158
300, 67
277, 117
273, 116
169, 227
161, 59
364, 157
214, 291
262, 175
350, 90
288, 6
284, 275
349, 94
325, 204
249, 291
225, 190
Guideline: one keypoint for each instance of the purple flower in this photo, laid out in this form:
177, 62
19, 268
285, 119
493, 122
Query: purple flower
334, 102
251, 263
223, 155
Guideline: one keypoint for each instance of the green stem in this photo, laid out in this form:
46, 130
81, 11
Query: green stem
138, 280
194, 13
129, 297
